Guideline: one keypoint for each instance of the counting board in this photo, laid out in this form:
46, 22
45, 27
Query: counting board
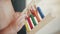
41, 24
35, 20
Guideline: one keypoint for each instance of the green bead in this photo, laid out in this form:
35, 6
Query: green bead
33, 20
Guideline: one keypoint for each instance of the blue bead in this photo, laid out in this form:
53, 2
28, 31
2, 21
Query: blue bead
40, 12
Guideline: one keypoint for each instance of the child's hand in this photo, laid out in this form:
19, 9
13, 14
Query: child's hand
8, 18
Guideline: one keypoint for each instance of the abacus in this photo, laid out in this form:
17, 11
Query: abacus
34, 18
